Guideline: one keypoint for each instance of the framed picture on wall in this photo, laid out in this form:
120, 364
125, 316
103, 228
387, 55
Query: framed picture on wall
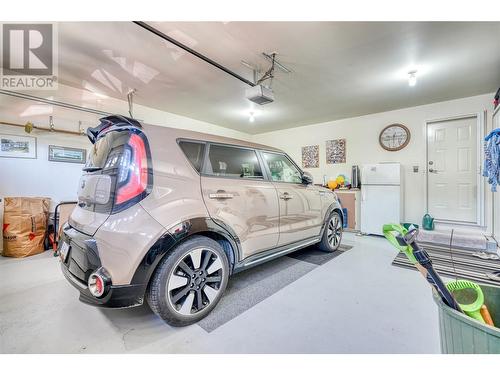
17, 146
336, 151
310, 156
67, 154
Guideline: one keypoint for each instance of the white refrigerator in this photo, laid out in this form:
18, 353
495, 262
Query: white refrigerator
381, 196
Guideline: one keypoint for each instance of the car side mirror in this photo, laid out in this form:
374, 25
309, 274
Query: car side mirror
307, 178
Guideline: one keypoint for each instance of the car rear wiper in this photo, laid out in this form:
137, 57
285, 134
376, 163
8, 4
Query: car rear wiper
91, 169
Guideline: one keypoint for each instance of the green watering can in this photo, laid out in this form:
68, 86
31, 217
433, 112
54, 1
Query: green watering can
428, 222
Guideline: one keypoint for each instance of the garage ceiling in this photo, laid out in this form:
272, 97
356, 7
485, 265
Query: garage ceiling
340, 69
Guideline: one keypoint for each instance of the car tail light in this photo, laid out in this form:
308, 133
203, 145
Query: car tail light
134, 172
129, 166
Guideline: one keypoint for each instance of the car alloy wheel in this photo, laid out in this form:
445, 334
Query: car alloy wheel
334, 231
195, 281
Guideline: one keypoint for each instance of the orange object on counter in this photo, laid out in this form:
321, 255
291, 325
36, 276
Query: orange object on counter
486, 316
332, 184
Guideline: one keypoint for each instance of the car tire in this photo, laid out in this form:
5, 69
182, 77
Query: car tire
189, 281
332, 235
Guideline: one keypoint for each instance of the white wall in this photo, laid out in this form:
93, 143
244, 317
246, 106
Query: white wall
39, 177
362, 134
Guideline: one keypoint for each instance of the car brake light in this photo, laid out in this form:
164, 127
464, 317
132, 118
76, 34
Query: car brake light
134, 165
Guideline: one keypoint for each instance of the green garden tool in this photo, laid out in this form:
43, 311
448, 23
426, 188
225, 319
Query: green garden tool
469, 296
405, 241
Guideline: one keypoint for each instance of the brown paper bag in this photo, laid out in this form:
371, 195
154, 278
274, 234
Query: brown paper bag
24, 226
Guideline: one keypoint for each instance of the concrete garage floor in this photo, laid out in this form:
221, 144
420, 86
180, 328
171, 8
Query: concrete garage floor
354, 303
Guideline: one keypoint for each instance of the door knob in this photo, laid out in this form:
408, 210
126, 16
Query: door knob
431, 170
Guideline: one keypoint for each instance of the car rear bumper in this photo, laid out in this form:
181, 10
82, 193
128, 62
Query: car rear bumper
82, 259
118, 296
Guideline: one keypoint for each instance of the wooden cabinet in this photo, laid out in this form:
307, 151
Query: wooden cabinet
351, 200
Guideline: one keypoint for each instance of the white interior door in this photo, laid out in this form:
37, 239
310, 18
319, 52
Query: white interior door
452, 170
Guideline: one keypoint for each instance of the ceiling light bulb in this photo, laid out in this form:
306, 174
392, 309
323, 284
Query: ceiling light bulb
412, 78
252, 117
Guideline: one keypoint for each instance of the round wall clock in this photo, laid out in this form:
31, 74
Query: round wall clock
394, 137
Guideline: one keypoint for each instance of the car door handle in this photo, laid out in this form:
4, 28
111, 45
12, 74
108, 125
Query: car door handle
286, 196
221, 194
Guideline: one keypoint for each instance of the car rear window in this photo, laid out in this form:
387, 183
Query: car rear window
227, 161
99, 153
101, 149
194, 151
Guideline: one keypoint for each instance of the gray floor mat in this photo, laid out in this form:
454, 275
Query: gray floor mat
248, 288
312, 255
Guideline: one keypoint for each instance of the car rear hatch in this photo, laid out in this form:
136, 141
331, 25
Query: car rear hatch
118, 173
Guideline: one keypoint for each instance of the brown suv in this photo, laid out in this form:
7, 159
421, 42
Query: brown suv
168, 215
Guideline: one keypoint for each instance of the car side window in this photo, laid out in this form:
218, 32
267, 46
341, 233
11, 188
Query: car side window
194, 151
235, 162
282, 169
